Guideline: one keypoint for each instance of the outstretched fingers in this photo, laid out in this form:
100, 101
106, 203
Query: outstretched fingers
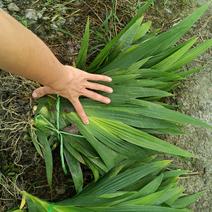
98, 77
97, 97
96, 86
80, 111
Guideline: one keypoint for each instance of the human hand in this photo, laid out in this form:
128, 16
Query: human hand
75, 83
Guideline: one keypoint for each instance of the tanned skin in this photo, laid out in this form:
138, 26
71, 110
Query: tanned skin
24, 54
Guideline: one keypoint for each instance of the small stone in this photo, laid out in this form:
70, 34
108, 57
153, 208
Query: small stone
39, 15
13, 7
31, 14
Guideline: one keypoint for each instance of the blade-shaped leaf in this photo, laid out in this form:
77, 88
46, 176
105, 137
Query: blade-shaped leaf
106, 50
47, 154
141, 139
82, 56
192, 54
167, 63
186, 200
156, 44
75, 170
142, 30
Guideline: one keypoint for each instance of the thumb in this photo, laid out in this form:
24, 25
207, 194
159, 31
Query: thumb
42, 91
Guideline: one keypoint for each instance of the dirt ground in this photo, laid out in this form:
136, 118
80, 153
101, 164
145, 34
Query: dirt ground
60, 24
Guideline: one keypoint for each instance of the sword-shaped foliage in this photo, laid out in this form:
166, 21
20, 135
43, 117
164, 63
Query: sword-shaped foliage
145, 69
131, 186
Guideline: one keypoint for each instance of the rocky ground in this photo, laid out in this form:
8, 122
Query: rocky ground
60, 24
194, 97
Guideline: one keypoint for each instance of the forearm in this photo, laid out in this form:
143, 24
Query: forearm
23, 53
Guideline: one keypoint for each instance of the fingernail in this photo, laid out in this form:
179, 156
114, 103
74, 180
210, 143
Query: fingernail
111, 90
86, 122
34, 95
109, 79
108, 101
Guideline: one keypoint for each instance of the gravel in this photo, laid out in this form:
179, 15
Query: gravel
31, 14
13, 7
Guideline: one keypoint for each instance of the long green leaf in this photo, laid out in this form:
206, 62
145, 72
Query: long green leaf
47, 154
138, 208
169, 115
142, 30
126, 39
192, 54
156, 44
82, 56
167, 63
107, 155
75, 170
124, 179
142, 139
186, 200
106, 50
